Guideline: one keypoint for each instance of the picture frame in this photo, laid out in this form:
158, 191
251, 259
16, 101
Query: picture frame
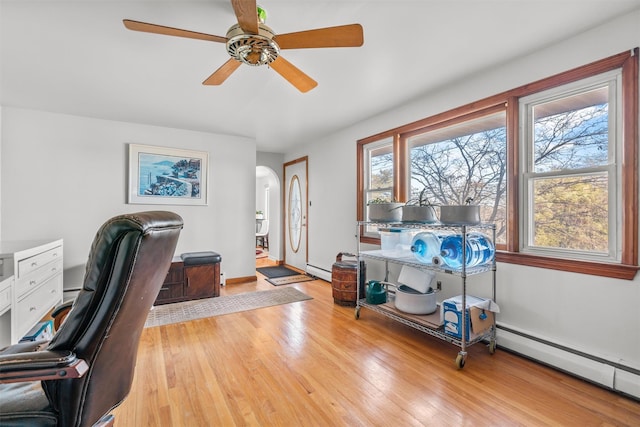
167, 176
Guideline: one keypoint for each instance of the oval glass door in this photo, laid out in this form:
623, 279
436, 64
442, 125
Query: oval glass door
295, 213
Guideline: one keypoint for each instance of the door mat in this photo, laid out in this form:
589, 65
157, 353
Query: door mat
209, 307
277, 271
287, 280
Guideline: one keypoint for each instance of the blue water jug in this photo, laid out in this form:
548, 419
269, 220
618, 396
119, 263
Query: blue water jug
479, 250
426, 245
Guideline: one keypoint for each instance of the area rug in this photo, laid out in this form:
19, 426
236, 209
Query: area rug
209, 307
261, 254
287, 280
277, 271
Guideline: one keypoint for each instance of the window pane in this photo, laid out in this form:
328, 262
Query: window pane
466, 160
379, 195
381, 167
572, 132
571, 213
379, 177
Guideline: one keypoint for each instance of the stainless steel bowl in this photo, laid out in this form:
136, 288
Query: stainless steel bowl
385, 212
411, 301
460, 214
424, 214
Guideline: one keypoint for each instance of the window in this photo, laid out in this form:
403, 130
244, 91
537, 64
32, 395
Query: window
379, 165
553, 163
463, 161
570, 169
378, 162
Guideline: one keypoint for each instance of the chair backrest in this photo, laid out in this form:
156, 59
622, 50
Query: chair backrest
264, 228
127, 264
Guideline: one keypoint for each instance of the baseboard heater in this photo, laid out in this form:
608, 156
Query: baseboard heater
609, 374
318, 272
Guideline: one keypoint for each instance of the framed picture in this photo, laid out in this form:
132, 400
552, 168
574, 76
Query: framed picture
167, 176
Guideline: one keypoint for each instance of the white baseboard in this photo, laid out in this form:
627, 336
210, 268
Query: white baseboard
321, 273
627, 382
591, 368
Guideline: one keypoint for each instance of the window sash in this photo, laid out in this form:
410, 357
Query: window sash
613, 170
369, 192
610, 255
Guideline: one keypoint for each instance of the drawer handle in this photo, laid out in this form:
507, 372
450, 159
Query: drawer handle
54, 269
164, 289
33, 308
55, 254
32, 282
34, 264
53, 291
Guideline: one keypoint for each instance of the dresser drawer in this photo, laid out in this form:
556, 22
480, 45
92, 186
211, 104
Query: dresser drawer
35, 262
34, 306
37, 277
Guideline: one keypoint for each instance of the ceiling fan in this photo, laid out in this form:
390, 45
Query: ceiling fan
252, 42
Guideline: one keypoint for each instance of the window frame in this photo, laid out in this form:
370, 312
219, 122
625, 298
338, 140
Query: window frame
612, 80
627, 266
368, 149
405, 141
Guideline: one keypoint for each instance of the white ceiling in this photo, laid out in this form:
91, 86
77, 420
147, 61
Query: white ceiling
76, 57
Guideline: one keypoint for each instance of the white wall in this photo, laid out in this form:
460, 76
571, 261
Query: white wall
63, 176
1, 173
261, 184
595, 315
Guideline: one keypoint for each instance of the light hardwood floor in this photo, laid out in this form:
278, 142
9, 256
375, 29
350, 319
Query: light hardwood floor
311, 363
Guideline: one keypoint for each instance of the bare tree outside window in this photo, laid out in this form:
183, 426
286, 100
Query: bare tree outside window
455, 165
570, 183
380, 184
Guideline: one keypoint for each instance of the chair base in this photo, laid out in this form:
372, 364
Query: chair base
262, 241
106, 421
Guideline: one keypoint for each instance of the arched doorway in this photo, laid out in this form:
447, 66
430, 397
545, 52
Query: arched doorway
268, 202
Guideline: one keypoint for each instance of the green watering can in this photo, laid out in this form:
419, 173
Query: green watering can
375, 292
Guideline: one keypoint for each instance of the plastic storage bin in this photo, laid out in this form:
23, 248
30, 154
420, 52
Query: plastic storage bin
396, 242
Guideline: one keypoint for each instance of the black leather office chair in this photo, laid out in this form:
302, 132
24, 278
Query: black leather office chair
87, 369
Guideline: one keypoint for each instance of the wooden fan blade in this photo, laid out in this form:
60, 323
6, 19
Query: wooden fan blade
340, 36
170, 31
247, 13
293, 75
221, 74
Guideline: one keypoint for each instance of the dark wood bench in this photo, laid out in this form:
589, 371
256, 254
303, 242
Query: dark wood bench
192, 275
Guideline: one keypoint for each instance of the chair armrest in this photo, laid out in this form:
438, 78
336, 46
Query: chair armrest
59, 313
60, 308
25, 347
40, 365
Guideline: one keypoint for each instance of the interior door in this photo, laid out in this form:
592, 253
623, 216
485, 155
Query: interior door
295, 213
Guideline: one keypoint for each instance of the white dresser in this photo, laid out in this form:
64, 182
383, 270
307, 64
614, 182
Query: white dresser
30, 285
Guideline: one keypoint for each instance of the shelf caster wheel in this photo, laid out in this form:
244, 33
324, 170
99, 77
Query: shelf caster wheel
357, 313
460, 360
492, 346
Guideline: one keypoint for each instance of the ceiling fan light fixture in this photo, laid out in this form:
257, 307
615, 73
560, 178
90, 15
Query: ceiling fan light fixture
252, 49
